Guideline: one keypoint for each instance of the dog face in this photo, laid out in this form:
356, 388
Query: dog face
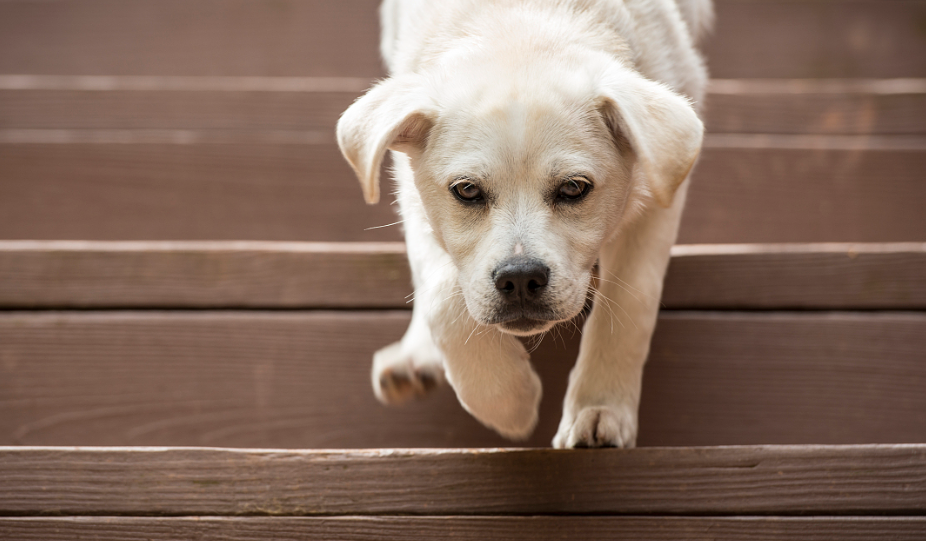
522, 182
521, 187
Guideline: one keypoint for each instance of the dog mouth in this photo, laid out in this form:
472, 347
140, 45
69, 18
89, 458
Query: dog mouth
525, 325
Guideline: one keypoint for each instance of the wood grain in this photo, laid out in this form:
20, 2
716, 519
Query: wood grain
880, 107
190, 37
892, 106
731, 480
813, 39
807, 276
768, 189
237, 274
238, 191
387, 528
745, 189
768, 38
301, 380
230, 274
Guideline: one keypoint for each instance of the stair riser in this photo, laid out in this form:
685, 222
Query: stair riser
301, 379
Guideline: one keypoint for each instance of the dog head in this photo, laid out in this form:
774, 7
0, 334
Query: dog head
525, 170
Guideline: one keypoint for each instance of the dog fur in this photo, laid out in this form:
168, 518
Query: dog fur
528, 102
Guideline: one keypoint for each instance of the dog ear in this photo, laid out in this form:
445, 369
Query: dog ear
395, 114
660, 126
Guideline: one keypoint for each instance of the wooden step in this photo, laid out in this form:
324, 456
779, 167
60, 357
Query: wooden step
753, 38
783, 480
300, 379
745, 189
272, 275
295, 378
852, 492
267, 107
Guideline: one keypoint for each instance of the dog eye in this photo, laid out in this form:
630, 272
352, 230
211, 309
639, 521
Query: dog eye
573, 189
467, 192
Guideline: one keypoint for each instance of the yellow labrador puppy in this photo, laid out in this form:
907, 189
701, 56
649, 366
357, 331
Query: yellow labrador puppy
531, 139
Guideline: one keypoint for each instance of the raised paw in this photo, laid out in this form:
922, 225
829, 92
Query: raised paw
598, 426
397, 378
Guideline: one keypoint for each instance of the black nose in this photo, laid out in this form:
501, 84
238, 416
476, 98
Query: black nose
521, 278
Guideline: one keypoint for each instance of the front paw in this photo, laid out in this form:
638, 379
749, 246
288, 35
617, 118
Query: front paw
598, 426
397, 378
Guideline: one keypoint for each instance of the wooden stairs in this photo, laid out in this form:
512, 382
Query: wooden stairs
190, 294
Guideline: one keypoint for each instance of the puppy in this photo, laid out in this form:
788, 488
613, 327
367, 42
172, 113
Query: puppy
531, 139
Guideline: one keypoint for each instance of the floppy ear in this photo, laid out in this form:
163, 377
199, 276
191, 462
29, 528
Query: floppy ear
394, 114
661, 127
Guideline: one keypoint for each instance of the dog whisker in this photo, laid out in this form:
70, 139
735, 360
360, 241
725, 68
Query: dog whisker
608, 301
616, 277
387, 225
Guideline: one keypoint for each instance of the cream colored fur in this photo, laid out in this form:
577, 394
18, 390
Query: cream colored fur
517, 96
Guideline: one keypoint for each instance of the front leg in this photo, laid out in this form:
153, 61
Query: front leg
490, 371
600, 408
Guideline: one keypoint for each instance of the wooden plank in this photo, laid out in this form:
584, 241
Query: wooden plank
237, 191
806, 276
817, 39
192, 110
805, 189
866, 479
190, 37
893, 106
301, 380
229, 274
386, 528
767, 38
745, 189
237, 274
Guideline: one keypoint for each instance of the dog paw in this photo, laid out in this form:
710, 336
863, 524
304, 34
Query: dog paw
598, 426
516, 415
397, 378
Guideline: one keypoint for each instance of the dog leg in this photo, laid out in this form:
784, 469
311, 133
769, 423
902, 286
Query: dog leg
410, 368
489, 370
600, 407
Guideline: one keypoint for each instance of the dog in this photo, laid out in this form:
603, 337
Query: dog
532, 140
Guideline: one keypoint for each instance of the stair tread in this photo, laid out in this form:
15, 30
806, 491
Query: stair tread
860, 479
239, 274
301, 379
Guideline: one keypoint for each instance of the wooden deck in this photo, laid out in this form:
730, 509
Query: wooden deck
191, 289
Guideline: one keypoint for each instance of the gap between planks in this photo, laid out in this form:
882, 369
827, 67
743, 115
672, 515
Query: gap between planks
104, 83
53, 136
461, 528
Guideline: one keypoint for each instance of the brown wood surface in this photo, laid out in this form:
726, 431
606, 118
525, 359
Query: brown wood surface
811, 276
767, 38
301, 380
230, 274
190, 37
745, 189
893, 106
222, 274
805, 189
672, 481
185, 109
185, 191
387, 528
817, 39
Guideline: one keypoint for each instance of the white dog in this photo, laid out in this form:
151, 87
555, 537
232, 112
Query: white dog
532, 139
